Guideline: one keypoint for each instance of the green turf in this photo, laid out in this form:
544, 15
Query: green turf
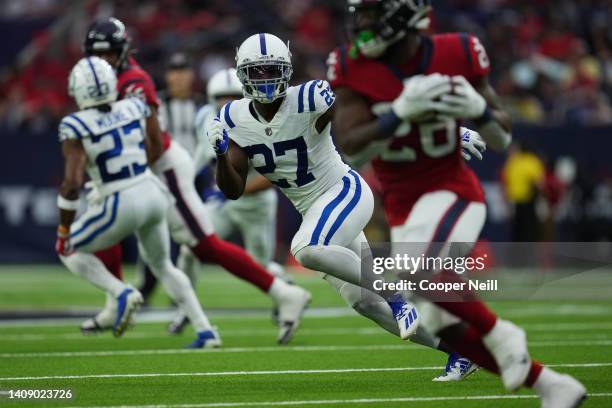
244, 370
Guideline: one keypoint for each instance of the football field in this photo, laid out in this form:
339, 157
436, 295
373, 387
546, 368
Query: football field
337, 358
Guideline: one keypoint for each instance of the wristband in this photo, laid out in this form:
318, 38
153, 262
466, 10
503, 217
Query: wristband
388, 123
68, 205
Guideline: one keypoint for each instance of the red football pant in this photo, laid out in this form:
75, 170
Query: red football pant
111, 258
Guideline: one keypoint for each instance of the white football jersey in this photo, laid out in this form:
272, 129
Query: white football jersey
289, 151
113, 142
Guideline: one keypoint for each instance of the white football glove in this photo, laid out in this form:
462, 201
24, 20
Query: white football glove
218, 137
417, 98
464, 103
472, 144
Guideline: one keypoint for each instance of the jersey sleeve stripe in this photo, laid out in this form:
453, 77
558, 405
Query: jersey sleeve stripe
74, 129
301, 98
226, 116
465, 41
311, 98
73, 116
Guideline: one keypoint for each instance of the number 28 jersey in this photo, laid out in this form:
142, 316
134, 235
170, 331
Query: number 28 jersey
113, 142
289, 151
424, 157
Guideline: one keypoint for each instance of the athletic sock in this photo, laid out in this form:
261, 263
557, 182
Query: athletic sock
180, 290
111, 258
233, 258
93, 270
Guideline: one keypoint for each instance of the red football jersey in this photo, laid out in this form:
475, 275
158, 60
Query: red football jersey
424, 157
134, 81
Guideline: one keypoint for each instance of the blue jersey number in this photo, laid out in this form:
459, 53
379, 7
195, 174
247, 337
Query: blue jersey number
126, 171
303, 176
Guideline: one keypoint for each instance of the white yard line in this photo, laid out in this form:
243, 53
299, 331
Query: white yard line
364, 331
274, 349
343, 401
256, 373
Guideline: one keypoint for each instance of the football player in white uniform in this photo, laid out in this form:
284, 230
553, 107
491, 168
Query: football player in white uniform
284, 133
107, 139
253, 216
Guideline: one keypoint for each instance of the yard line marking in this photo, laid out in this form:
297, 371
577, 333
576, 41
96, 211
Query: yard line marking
341, 401
272, 349
264, 372
364, 331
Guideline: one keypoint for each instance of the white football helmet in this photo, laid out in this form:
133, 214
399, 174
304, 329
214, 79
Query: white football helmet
263, 63
224, 83
92, 82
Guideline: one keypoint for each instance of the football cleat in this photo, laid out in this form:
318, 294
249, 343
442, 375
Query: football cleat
127, 303
206, 339
405, 314
508, 345
178, 324
104, 320
291, 306
457, 368
564, 391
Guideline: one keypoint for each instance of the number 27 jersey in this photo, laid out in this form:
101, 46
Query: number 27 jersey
423, 157
289, 151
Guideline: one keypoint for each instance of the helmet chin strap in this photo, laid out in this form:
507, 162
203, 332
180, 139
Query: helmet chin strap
371, 45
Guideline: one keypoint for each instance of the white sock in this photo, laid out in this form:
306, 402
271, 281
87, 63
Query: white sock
375, 308
180, 290
278, 289
89, 267
544, 380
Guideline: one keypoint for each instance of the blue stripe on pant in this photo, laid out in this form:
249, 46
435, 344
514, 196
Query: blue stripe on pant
86, 239
347, 210
329, 208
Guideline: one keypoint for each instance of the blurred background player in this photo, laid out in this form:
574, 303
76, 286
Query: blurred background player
253, 216
406, 118
107, 138
188, 220
177, 111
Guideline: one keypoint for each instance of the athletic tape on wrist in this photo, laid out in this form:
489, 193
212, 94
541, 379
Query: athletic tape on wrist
68, 205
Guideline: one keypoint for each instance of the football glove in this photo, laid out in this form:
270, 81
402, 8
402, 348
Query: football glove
62, 244
218, 137
419, 94
472, 144
464, 103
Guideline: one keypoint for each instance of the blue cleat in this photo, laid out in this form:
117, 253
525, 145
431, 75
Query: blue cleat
405, 314
206, 339
127, 303
457, 368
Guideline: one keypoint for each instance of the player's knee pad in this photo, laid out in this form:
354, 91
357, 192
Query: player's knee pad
433, 317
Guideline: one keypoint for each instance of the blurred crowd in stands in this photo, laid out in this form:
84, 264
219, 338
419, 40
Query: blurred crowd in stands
552, 60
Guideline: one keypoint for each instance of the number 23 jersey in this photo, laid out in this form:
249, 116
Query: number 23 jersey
424, 157
289, 151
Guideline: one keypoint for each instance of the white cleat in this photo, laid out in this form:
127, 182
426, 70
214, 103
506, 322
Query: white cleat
291, 305
559, 390
127, 303
405, 314
508, 345
457, 368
